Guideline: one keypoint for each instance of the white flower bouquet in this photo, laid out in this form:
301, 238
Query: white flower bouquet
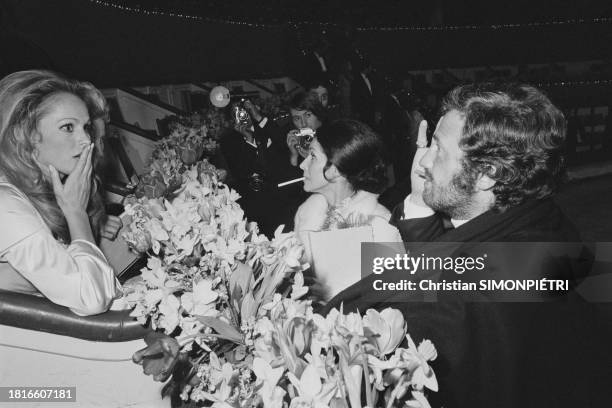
236, 303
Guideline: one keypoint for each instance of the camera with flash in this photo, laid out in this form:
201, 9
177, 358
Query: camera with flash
304, 137
240, 114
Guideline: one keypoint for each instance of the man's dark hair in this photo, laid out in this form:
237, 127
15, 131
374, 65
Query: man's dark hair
358, 153
309, 101
515, 135
314, 82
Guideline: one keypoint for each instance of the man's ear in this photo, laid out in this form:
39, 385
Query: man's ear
485, 182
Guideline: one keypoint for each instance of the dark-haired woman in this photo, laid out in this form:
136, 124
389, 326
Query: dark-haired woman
346, 171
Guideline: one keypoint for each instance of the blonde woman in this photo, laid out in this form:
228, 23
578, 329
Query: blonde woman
50, 210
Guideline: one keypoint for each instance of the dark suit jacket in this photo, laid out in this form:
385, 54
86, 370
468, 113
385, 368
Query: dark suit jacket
309, 70
271, 206
494, 354
364, 102
242, 159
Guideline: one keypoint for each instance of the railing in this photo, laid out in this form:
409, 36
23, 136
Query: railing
137, 144
137, 109
153, 100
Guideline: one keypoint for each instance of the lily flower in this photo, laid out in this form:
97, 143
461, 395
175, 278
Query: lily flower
221, 377
267, 376
202, 301
298, 289
423, 376
169, 310
312, 393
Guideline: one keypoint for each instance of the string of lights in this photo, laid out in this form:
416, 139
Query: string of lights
577, 21
574, 83
231, 21
181, 15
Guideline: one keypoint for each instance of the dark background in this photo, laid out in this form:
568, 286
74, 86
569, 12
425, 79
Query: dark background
109, 46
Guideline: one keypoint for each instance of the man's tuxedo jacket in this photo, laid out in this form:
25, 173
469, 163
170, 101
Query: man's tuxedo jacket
546, 353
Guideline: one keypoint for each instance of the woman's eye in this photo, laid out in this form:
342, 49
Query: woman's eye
88, 128
68, 127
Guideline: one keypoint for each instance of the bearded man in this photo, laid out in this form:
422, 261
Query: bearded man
485, 183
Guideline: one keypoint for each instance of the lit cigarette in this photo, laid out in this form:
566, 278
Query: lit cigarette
291, 181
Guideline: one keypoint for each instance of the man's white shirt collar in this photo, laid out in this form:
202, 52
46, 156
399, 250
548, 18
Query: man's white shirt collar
321, 61
412, 210
367, 81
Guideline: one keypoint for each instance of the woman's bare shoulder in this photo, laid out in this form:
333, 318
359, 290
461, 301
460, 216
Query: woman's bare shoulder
311, 214
314, 203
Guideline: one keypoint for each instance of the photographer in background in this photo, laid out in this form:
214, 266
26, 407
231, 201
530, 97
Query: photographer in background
306, 112
256, 157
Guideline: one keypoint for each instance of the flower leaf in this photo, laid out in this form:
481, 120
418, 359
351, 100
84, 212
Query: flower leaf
240, 280
223, 329
248, 308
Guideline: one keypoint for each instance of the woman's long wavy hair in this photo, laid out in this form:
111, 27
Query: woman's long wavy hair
23, 97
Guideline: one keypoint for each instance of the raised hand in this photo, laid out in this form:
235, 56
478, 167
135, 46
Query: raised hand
159, 357
73, 194
417, 174
111, 227
292, 143
252, 109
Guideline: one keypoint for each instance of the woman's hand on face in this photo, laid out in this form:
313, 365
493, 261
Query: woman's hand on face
111, 227
417, 174
73, 195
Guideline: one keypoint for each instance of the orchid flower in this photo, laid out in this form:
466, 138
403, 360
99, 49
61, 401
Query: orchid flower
298, 289
202, 301
155, 276
221, 378
322, 335
169, 313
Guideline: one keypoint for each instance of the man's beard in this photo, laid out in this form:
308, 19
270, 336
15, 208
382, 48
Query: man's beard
455, 198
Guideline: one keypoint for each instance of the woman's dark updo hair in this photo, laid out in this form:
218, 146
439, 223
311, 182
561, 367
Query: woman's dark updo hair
357, 152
